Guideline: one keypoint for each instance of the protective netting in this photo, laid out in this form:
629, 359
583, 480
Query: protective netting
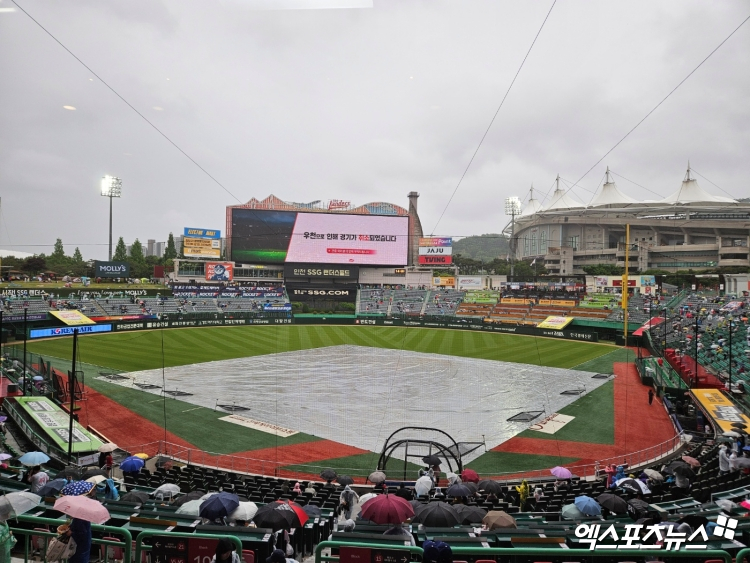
359, 395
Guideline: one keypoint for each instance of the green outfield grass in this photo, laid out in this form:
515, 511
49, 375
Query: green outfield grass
143, 350
359, 465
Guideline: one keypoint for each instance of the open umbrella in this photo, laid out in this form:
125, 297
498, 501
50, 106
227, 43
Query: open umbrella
245, 512
587, 505
469, 476
4, 456
302, 516
219, 506
613, 503
77, 488
498, 519
458, 490
190, 508
472, 487
277, 516
96, 479
33, 458
108, 447
52, 487
561, 472
571, 512
726, 504
314, 511
93, 472
431, 460
742, 462
13, 504
669, 469
364, 498
685, 470
345, 480
192, 495
731, 434
376, 477
691, 461
135, 496
83, 508
653, 474
633, 485
167, 490
141, 456
132, 464
387, 509
423, 486
470, 514
69, 473
328, 474
437, 515
490, 487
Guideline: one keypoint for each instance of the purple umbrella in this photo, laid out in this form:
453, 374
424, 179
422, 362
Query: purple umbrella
561, 472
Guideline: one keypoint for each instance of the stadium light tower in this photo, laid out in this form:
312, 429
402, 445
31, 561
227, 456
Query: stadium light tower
512, 208
111, 187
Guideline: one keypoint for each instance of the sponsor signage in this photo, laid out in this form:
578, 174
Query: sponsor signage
336, 204
277, 307
552, 423
318, 271
219, 271
311, 292
19, 318
719, 408
435, 260
55, 423
72, 318
435, 250
444, 281
435, 241
201, 252
202, 233
68, 330
470, 282
258, 425
22, 292
556, 323
111, 269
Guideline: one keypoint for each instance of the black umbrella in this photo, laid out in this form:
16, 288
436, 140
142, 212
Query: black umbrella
431, 460
470, 514
490, 487
268, 516
613, 503
135, 496
638, 508
669, 469
417, 505
93, 472
631, 485
684, 471
192, 495
345, 480
328, 474
472, 487
458, 490
437, 515
694, 521
69, 473
52, 488
406, 494
312, 510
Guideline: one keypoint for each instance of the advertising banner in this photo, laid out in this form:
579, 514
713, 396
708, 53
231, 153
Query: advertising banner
68, 330
219, 271
357, 239
601, 281
346, 292
72, 318
202, 233
435, 250
201, 252
435, 260
435, 241
318, 271
111, 269
444, 281
277, 307
617, 282
470, 282
648, 281
556, 323
719, 408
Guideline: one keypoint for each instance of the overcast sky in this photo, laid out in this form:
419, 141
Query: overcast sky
361, 104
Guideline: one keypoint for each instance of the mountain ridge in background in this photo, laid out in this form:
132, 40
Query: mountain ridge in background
485, 247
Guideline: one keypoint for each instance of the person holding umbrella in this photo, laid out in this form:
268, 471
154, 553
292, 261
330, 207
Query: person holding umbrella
84, 511
37, 479
225, 552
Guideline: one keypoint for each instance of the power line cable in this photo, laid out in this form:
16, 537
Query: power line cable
116, 93
710, 182
663, 99
493, 117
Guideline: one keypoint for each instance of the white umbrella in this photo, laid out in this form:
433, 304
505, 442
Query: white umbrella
108, 447
190, 508
96, 479
13, 504
208, 495
653, 474
423, 486
364, 498
644, 488
725, 504
732, 434
169, 489
245, 511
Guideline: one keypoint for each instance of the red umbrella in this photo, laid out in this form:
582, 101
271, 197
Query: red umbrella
387, 509
691, 461
301, 514
469, 476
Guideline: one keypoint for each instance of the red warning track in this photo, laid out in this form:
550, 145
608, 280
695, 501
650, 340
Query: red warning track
638, 426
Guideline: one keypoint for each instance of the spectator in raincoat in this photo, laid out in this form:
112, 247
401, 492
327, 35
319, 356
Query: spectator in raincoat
346, 501
620, 474
523, 493
7, 541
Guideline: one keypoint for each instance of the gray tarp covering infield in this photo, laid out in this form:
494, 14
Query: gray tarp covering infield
359, 395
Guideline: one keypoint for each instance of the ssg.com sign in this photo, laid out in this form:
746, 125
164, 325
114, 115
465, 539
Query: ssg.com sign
111, 269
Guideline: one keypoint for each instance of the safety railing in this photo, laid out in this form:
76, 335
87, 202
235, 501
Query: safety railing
46, 528
490, 553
